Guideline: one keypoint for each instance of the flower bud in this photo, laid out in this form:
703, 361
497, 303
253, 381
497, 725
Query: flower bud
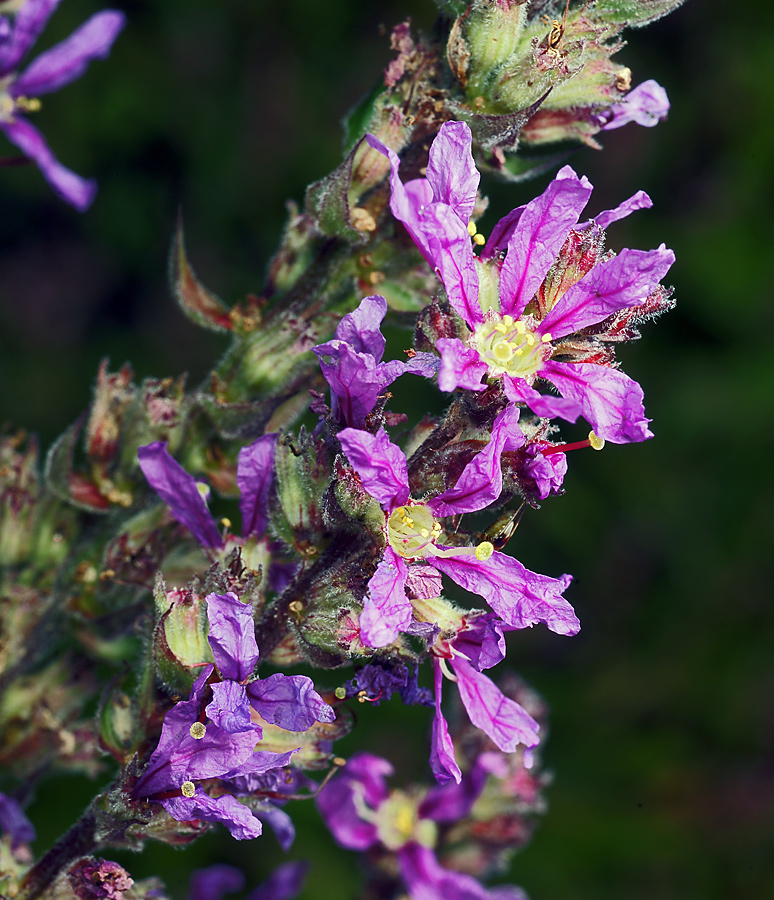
181, 637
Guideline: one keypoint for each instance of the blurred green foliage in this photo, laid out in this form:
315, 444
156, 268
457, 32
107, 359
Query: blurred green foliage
662, 725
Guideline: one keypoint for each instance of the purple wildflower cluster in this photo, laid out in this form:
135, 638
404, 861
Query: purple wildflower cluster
369, 542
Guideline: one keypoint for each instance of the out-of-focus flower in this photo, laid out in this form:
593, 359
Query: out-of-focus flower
520, 597
51, 71
521, 300
14, 825
361, 812
284, 883
352, 363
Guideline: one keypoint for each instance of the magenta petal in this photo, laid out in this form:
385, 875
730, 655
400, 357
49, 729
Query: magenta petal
69, 60
503, 720
362, 777
355, 380
612, 403
461, 366
501, 233
215, 881
361, 329
226, 810
538, 236
481, 481
15, 827
438, 232
230, 710
179, 491
547, 471
27, 26
78, 192
442, 759
623, 281
427, 879
637, 201
647, 105
289, 701
451, 171
521, 598
379, 463
545, 405
255, 475
232, 636
284, 883
423, 582
386, 609
258, 763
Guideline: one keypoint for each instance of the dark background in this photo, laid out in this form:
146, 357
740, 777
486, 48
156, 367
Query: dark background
662, 723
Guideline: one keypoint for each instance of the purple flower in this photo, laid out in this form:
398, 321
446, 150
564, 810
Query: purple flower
13, 823
51, 71
517, 317
647, 105
205, 740
479, 645
361, 812
183, 495
352, 363
284, 883
520, 597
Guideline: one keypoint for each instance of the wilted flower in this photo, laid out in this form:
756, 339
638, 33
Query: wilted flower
52, 70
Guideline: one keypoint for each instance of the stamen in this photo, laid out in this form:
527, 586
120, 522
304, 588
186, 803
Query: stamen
546, 339
593, 441
479, 239
225, 522
484, 550
472, 228
188, 788
340, 693
197, 730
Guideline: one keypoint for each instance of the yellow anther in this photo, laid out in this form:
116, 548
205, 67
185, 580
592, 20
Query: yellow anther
508, 320
501, 327
188, 788
471, 228
479, 239
519, 351
521, 328
424, 532
197, 731
225, 522
530, 338
546, 339
340, 693
484, 550
203, 489
596, 442
28, 104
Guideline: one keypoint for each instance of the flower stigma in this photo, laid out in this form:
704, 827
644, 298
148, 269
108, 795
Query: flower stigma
188, 788
509, 347
197, 730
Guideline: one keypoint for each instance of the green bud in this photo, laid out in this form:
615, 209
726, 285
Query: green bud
302, 479
180, 642
118, 732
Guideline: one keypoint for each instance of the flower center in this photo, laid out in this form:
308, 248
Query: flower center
509, 347
9, 105
411, 530
398, 822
